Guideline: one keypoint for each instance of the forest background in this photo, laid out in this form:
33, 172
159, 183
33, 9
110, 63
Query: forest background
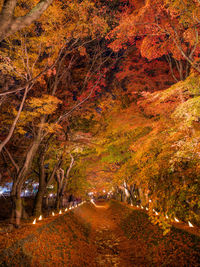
99, 95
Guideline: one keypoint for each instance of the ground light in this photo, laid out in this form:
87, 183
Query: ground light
155, 212
40, 218
34, 222
191, 225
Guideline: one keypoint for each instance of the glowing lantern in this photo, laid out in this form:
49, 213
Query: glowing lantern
191, 225
34, 222
155, 212
40, 218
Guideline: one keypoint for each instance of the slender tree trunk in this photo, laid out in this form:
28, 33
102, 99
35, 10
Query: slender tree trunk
18, 183
43, 183
39, 200
62, 183
142, 196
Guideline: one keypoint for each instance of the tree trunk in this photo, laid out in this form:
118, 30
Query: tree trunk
18, 183
38, 200
9, 24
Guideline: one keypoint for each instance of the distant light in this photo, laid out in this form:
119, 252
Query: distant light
131, 204
50, 186
66, 209
147, 208
104, 191
60, 212
70, 208
53, 214
40, 218
142, 207
191, 225
176, 219
137, 206
34, 222
149, 200
166, 216
155, 212
51, 195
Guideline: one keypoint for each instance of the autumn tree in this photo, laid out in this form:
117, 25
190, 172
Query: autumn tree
162, 29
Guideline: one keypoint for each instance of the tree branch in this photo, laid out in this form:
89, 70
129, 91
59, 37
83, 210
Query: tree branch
9, 24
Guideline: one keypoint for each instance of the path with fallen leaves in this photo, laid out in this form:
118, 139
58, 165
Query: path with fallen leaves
108, 234
120, 243
113, 248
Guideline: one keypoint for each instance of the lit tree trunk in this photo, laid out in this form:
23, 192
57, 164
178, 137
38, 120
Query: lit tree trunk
9, 24
18, 182
62, 182
43, 183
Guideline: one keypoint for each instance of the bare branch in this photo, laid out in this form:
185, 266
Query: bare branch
6, 140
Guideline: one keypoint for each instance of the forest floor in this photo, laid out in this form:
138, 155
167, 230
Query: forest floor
110, 234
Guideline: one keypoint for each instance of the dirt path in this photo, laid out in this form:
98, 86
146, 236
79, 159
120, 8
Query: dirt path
113, 248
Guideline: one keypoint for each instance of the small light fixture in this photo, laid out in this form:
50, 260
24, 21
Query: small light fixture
34, 222
176, 220
66, 209
40, 218
60, 212
53, 214
190, 225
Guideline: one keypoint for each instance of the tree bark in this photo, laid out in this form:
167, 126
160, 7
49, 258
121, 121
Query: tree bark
10, 24
62, 183
18, 182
